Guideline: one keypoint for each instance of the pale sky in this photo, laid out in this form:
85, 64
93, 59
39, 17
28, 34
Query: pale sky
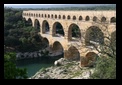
32, 4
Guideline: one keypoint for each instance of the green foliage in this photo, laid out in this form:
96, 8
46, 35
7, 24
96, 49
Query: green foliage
10, 69
18, 33
76, 31
105, 69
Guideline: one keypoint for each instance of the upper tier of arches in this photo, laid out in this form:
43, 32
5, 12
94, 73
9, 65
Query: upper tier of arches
76, 16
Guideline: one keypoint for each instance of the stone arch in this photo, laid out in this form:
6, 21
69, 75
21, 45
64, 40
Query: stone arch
37, 25
74, 32
80, 17
87, 18
89, 59
29, 22
94, 18
39, 15
58, 30
94, 35
64, 17
57, 46
55, 16
36, 15
74, 17
68, 17
31, 15
45, 16
48, 16
45, 42
103, 19
113, 20
72, 53
45, 26
52, 16
59, 16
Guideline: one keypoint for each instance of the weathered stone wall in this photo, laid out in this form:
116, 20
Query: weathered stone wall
66, 19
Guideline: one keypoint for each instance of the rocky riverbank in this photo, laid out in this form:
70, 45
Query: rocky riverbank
64, 69
41, 53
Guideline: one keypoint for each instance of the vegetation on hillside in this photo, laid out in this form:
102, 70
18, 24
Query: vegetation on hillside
10, 69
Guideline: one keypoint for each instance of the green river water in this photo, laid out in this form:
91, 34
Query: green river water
33, 65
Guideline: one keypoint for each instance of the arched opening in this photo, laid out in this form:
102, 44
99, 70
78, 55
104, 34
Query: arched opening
74, 17
39, 15
52, 16
91, 56
36, 15
42, 15
68, 17
45, 16
55, 16
37, 25
45, 42
31, 15
94, 36
57, 46
64, 17
113, 20
29, 22
74, 33
94, 18
45, 27
113, 40
72, 53
89, 59
57, 30
103, 19
48, 16
59, 17
87, 18
57, 49
80, 18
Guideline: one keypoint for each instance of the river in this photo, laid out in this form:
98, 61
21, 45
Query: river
33, 65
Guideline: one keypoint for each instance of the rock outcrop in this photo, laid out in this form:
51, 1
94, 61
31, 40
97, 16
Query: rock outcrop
64, 69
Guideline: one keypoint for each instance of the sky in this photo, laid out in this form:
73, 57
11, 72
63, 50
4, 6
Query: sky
50, 5
25, 4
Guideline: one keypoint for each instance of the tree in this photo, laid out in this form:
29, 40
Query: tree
105, 66
10, 69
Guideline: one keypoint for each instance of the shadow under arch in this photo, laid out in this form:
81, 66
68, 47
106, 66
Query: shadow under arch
74, 32
58, 30
37, 25
45, 42
45, 26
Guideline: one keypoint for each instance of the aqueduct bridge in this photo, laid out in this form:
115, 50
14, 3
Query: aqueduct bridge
73, 47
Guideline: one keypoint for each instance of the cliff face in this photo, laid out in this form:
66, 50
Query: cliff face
64, 69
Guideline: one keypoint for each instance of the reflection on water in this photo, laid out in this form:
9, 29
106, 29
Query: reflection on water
34, 65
